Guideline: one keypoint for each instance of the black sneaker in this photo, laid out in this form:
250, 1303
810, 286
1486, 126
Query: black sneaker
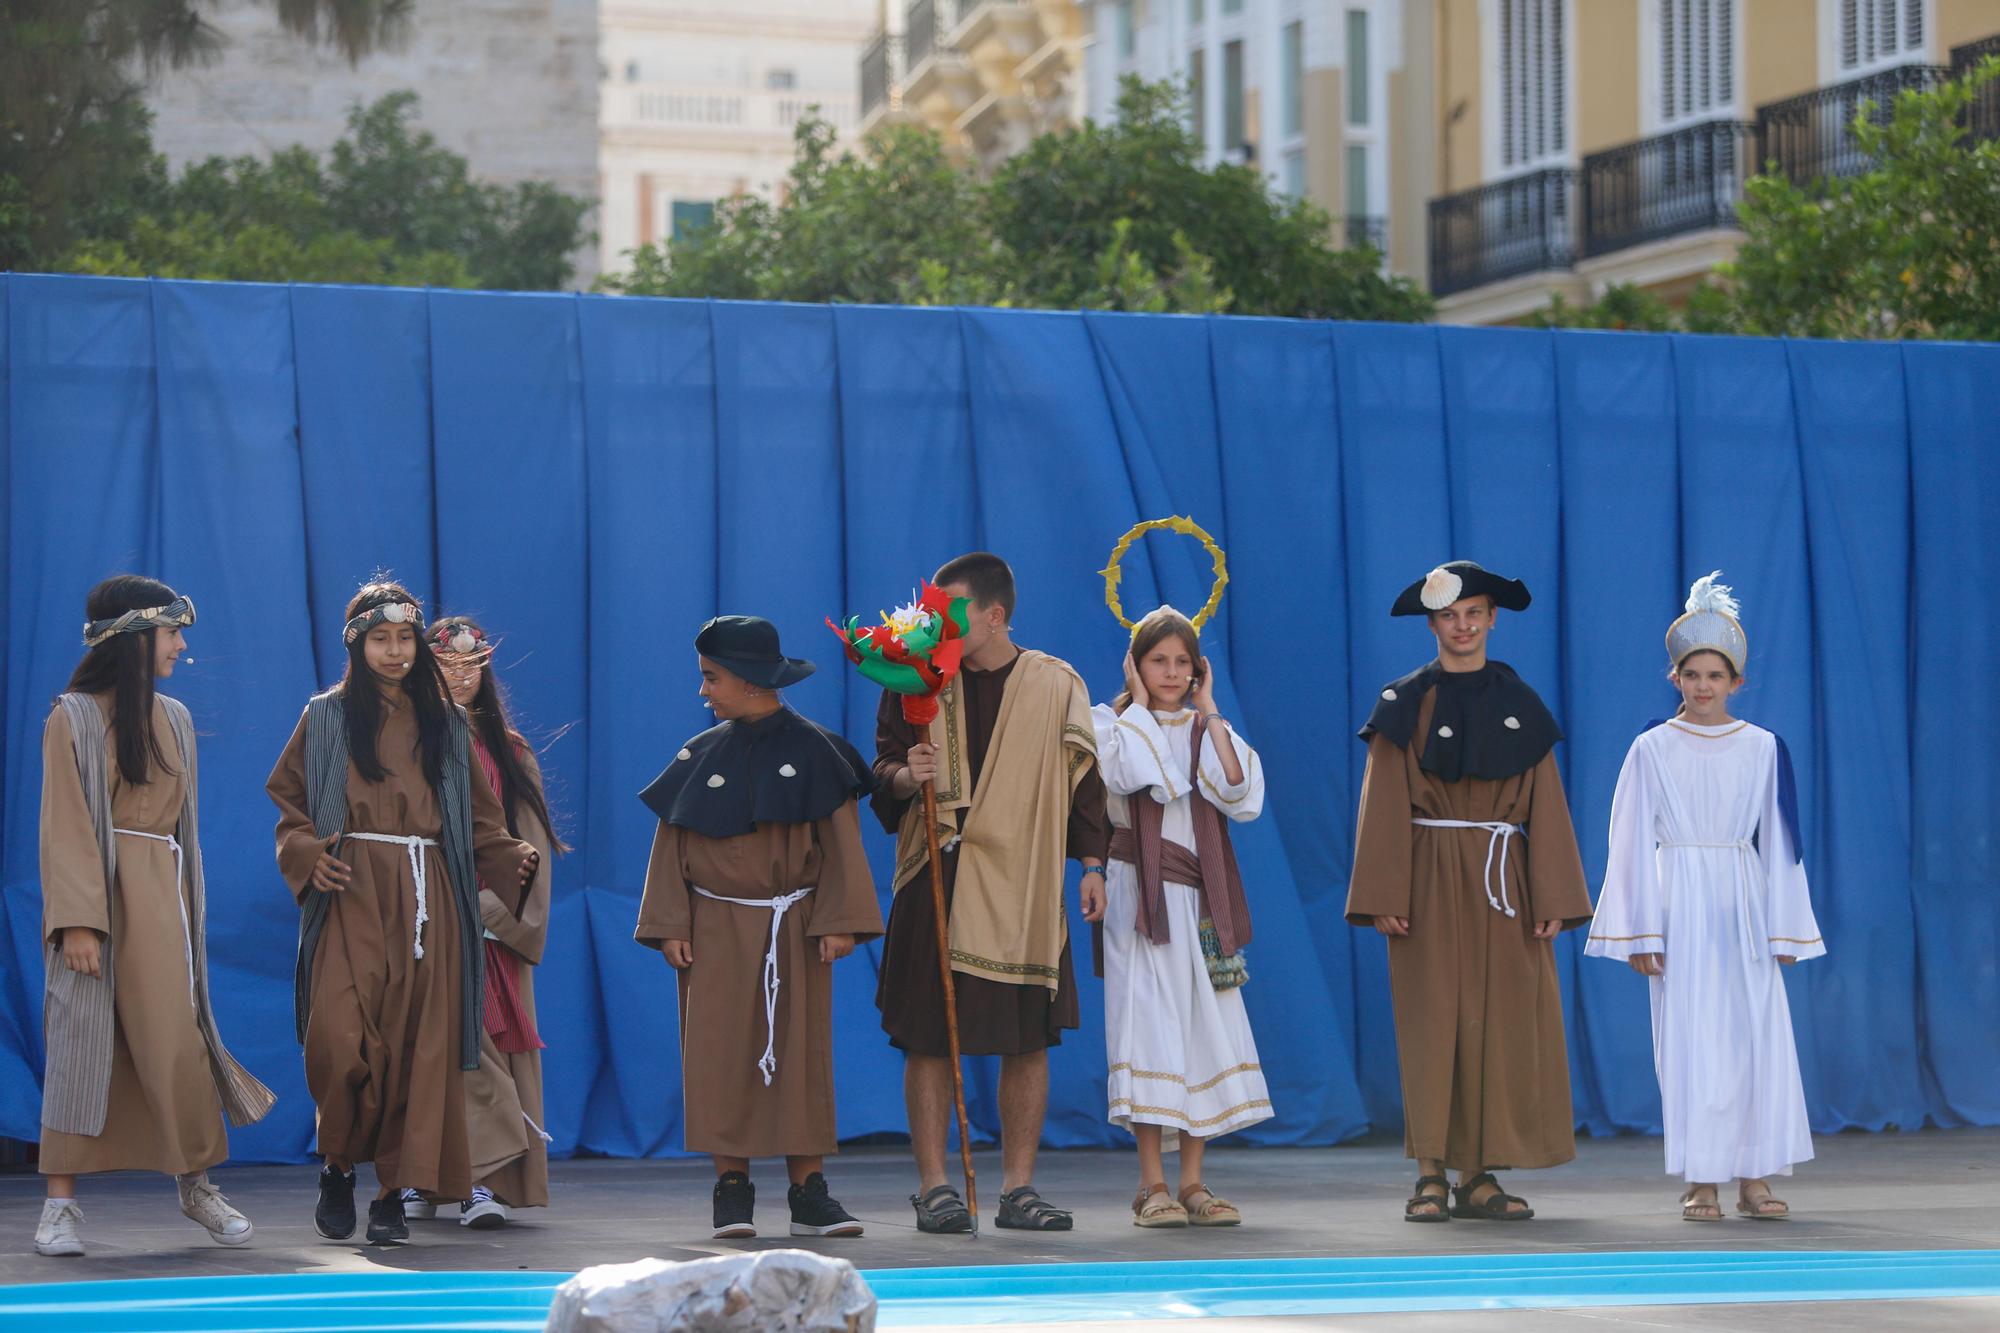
386, 1225
817, 1213
334, 1217
735, 1203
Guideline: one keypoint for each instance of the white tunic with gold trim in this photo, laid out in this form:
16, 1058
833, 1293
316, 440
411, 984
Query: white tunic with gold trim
1703, 870
1180, 1052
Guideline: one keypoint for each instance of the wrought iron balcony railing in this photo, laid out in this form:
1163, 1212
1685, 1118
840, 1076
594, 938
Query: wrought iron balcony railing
928, 28
1983, 116
881, 71
1685, 180
1811, 137
1367, 230
1503, 230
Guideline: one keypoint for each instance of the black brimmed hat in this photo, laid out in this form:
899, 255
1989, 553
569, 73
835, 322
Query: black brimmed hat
748, 647
1455, 580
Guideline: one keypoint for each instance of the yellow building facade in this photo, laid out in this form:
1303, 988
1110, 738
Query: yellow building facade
987, 75
1558, 147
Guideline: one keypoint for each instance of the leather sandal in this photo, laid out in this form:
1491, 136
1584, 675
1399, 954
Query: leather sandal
1698, 1210
1212, 1211
1498, 1206
941, 1211
1439, 1205
1766, 1209
1154, 1207
1025, 1210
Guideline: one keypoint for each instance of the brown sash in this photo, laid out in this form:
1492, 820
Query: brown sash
1210, 869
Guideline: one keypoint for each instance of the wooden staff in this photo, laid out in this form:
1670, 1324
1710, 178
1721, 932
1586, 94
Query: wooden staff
950, 1001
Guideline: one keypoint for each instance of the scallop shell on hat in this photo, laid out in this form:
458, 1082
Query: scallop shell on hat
1442, 587
463, 642
787, 771
716, 779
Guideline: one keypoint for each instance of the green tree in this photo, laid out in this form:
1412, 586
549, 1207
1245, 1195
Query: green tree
388, 205
1907, 249
1120, 216
1622, 306
75, 157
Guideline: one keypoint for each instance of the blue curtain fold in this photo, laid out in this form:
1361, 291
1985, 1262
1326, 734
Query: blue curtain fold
594, 477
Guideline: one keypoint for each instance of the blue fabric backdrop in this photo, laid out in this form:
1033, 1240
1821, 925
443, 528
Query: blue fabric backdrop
595, 477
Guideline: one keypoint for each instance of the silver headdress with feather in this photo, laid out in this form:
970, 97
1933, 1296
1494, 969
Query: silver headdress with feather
1709, 625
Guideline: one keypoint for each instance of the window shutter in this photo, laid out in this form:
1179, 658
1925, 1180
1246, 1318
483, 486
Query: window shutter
1850, 44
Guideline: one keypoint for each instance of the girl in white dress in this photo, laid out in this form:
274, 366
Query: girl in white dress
1705, 895
1183, 1065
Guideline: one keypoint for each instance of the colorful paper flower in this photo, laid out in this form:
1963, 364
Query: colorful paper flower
914, 652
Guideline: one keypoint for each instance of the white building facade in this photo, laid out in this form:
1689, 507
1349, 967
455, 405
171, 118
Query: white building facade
1301, 89
700, 100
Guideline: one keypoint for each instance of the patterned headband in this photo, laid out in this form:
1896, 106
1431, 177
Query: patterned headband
392, 613
174, 614
460, 640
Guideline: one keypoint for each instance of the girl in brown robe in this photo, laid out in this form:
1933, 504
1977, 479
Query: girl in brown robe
136, 1079
390, 965
503, 1097
757, 885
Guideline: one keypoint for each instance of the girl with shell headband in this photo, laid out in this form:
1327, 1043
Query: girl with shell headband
503, 1097
1705, 895
386, 826
136, 1077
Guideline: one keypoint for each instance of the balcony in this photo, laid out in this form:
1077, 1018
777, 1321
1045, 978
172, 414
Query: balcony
1687, 180
719, 111
1983, 116
941, 84
1810, 137
1503, 230
882, 71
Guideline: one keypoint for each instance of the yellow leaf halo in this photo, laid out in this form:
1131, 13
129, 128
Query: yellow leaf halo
1186, 527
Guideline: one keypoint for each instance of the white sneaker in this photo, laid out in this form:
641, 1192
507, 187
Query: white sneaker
56, 1234
416, 1208
203, 1202
484, 1212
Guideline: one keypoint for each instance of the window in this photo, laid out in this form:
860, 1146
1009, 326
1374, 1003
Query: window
1295, 174
1196, 11
1232, 6
1697, 59
1198, 93
1877, 34
1124, 22
1295, 79
1358, 92
1533, 83
1355, 187
1232, 95
781, 80
692, 216
631, 71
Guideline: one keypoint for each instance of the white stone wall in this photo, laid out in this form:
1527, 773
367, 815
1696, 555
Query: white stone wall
510, 84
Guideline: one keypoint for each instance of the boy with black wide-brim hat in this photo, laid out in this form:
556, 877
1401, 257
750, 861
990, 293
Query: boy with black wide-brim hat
1466, 860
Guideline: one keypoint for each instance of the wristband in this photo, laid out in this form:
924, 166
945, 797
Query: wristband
1093, 870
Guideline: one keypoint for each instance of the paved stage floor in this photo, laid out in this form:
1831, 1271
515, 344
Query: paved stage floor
1918, 1191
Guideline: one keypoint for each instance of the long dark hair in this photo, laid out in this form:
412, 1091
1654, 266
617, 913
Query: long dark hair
123, 667
496, 731
424, 685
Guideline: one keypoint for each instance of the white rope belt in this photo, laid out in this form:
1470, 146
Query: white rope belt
1500, 835
768, 1061
415, 847
180, 899
1746, 910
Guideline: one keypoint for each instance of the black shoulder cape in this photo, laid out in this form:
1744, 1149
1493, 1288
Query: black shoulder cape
781, 769
1487, 723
